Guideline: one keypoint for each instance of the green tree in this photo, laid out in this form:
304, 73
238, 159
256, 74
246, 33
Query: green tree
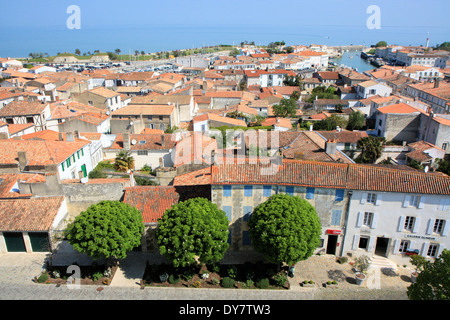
381, 44
330, 123
322, 92
235, 52
193, 231
108, 229
356, 121
433, 283
371, 149
285, 229
77, 52
124, 161
444, 166
287, 108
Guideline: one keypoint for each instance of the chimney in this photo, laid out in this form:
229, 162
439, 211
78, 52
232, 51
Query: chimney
70, 137
23, 160
163, 142
60, 136
437, 82
161, 162
330, 147
126, 141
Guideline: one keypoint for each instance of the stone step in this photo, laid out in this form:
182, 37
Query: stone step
381, 262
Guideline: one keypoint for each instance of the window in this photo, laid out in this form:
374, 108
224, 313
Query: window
363, 242
246, 241
142, 153
149, 117
438, 226
227, 191
247, 213
227, 210
368, 218
432, 250
310, 193
404, 245
339, 195
414, 201
409, 223
267, 191
290, 191
30, 120
248, 191
336, 217
371, 197
90, 103
161, 118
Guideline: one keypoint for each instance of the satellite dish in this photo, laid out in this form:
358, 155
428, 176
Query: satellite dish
84, 180
131, 123
133, 142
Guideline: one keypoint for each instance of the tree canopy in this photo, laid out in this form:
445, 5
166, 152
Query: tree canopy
285, 229
433, 282
287, 108
108, 229
322, 92
124, 161
192, 231
330, 123
371, 149
356, 121
381, 44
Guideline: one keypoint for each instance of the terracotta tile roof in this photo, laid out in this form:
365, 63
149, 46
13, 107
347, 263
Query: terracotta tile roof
22, 108
35, 214
138, 109
161, 99
195, 178
146, 142
39, 153
217, 118
104, 92
333, 175
151, 131
344, 136
194, 147
399, 108
18, 127
276, 121
152, 201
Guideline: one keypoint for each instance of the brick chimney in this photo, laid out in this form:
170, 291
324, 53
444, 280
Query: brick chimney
23, 160
437, 82
330, 146
126, 141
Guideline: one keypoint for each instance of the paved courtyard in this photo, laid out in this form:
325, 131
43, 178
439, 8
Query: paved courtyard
18, 269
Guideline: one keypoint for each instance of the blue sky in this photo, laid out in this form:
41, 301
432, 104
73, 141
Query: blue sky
97, 13
149, 25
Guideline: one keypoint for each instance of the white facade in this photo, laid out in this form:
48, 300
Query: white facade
390, 223
380, 89
79, 161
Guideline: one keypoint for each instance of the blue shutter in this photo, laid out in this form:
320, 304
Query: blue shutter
229, 237
339, 195
247, 212
227, 210
310, 193
267, 191
336, 217
227, 191
290, 191
248, 191
246, 241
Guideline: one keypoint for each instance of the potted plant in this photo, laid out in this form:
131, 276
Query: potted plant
418, 262
361, 266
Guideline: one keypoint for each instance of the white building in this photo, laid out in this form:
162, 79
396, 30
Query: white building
390, 224
371, 88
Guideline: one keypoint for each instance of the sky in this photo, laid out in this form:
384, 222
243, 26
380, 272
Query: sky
37, 25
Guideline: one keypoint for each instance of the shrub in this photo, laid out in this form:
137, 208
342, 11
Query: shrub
96, 276
228, 282
232, 272
188, 274
197, 284
215, 281
173, 279
262, 283
343, 260
42, 278
280, 279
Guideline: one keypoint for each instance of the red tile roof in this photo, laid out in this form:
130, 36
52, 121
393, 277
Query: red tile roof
152, 201
35, 214
333, 175
20, 108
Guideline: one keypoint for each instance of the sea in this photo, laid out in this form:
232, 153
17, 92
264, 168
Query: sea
20, 41
353, 60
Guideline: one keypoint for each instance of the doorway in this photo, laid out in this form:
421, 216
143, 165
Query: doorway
381, 246
331, 244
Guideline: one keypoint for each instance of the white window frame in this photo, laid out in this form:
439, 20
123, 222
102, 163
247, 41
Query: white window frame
409, 223
414, 201
438, 226
371, 198
432, 250
368, 219
404, 246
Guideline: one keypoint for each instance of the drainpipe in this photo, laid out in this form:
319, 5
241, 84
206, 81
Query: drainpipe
350, 193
